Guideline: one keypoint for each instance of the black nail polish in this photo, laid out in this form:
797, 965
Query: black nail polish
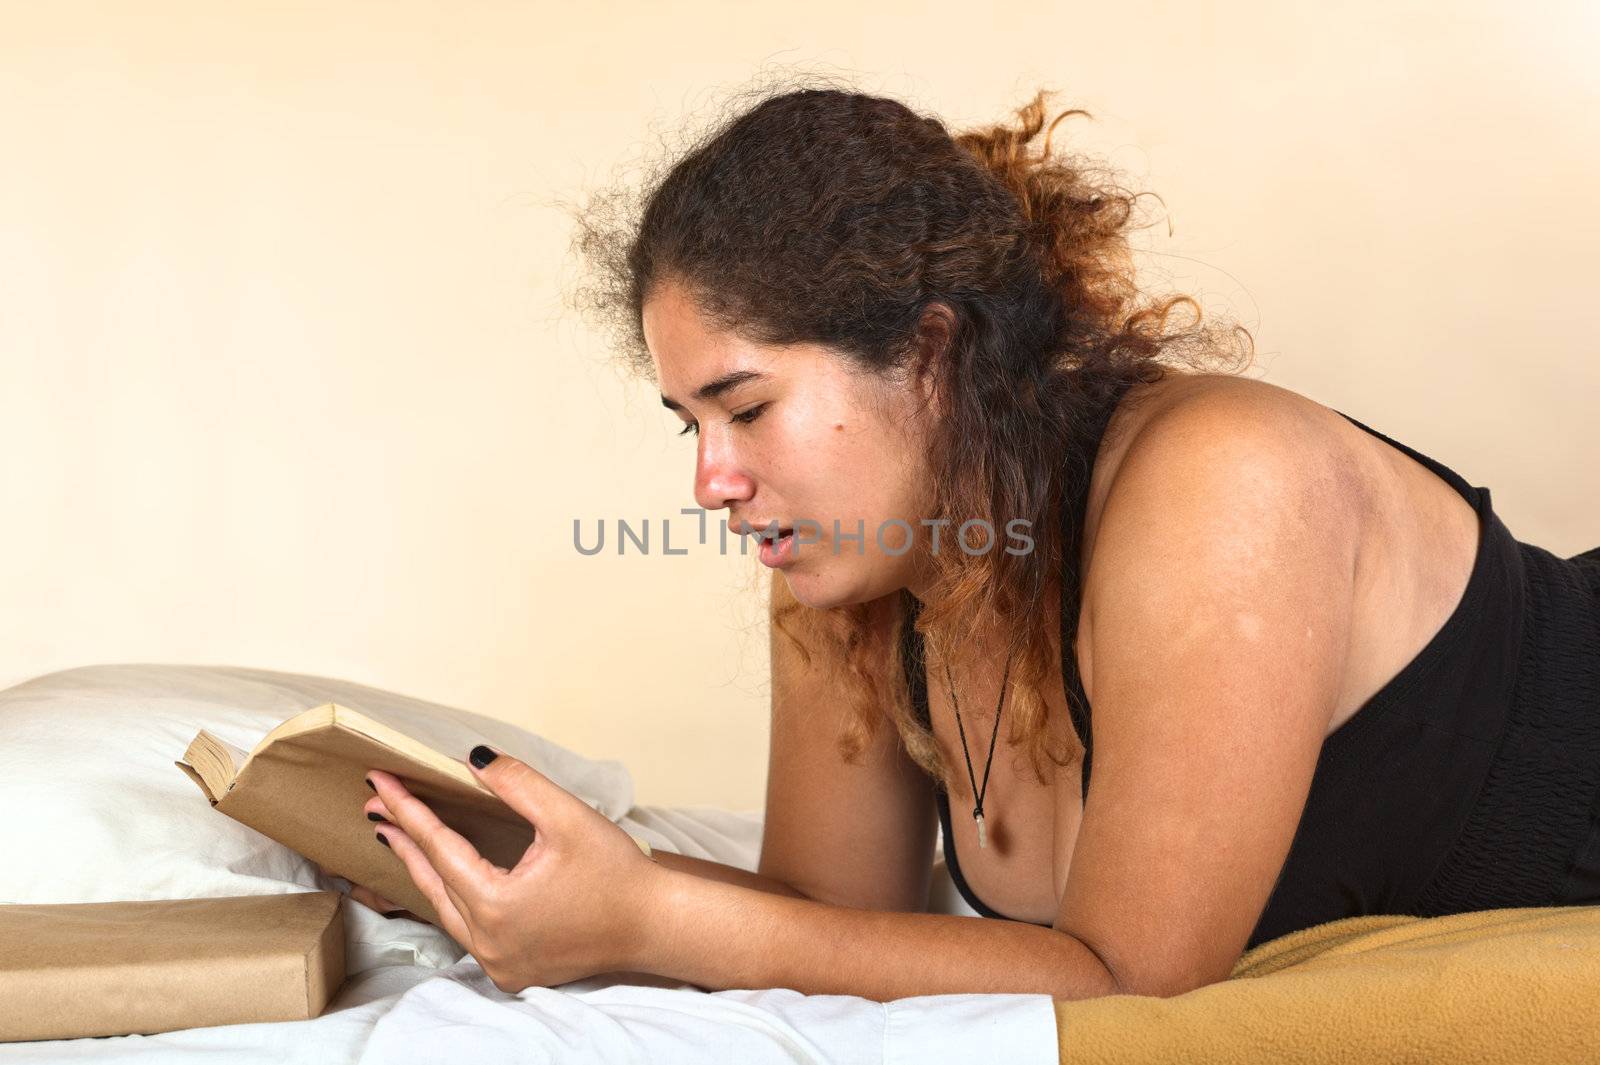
382, 840
371, 785
377, 817
481, 756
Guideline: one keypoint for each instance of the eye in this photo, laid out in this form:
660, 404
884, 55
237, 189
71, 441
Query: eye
747, 416
744, 417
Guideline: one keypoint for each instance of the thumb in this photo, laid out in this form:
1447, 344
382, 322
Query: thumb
520, 786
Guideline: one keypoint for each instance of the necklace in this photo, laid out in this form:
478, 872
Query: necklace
977, 811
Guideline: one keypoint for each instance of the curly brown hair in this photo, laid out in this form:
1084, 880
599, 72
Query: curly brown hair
821, 215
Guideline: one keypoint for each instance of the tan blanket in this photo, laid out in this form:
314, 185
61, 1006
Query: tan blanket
1495, 986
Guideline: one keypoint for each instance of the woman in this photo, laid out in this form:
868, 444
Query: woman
1325, 679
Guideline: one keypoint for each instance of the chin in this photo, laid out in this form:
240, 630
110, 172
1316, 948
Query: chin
826, 587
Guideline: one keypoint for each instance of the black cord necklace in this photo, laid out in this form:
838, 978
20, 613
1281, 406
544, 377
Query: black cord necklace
977, 811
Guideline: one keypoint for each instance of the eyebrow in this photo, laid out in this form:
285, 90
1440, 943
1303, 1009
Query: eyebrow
715, 387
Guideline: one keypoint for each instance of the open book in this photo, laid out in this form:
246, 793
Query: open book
304, 785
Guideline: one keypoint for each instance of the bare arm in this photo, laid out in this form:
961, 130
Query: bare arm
682, 863
726, 874
1215, 670
858, 840
853, 834
585, 901
720, 936
857, 835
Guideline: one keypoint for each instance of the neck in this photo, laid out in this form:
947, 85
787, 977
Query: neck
920, 583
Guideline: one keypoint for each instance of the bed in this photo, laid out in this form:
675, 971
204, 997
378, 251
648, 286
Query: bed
81, 748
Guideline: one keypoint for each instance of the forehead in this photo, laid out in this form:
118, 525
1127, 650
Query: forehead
697, 362
680, 340
694, 361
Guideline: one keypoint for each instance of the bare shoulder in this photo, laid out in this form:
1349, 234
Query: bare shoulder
1231, 428
1206, 458
1198, 408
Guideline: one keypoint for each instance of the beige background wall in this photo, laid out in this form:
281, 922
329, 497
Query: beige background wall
286, 380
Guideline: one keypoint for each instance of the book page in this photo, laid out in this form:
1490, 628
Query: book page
212, 764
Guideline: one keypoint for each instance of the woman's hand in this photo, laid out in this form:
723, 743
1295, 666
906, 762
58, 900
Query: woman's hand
577, 904
372, 900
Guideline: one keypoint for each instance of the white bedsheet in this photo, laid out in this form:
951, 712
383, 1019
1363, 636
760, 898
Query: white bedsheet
416, 1013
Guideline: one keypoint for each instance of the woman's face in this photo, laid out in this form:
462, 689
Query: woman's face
791, 435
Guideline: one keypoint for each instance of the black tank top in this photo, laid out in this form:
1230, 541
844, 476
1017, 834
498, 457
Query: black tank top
1469, 781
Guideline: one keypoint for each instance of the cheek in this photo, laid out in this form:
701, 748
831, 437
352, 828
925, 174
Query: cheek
802, 451
865, 483
827, 460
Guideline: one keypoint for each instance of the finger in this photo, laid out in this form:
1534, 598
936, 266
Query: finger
428, 882
529, 792
371, 899
373, 806
421, 871
455, 860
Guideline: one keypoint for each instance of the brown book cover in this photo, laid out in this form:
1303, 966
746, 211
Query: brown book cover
124, 968
304, 785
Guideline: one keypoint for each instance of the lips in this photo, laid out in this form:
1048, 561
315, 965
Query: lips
776, 552
761, 529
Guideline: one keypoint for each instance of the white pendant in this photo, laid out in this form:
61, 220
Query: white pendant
983, 837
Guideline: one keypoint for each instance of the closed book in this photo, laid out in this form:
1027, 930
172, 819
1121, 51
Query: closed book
124, 968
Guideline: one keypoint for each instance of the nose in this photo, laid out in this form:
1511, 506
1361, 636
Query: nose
719, 479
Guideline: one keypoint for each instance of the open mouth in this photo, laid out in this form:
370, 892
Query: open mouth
764, 533
777, 549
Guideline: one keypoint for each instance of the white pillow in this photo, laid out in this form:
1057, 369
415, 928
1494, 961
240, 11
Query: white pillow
92, 808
